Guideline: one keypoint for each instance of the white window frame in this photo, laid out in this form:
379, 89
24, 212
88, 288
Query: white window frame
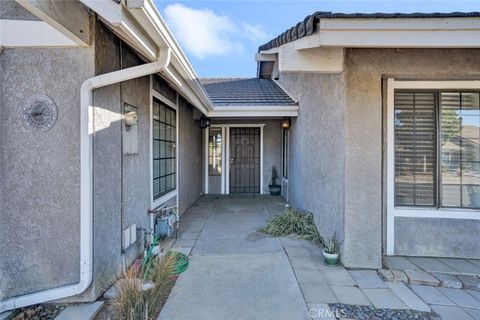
155, 203
287, 154
416, 212
226, 154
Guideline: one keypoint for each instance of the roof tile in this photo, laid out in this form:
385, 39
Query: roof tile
309, 24
245, 92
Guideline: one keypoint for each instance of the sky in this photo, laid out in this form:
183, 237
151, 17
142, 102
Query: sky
220, 38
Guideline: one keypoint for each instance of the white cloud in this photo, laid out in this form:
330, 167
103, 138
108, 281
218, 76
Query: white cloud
254, 32
204, 33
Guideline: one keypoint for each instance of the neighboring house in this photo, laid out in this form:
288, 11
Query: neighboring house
103, 120
377, 152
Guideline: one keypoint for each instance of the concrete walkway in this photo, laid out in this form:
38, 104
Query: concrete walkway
237, 273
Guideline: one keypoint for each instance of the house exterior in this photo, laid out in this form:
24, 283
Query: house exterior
101, 128
384, 149
104, 121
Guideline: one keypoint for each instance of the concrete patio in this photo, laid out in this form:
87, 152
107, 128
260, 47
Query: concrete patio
235, 271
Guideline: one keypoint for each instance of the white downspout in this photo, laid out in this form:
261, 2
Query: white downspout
87, 131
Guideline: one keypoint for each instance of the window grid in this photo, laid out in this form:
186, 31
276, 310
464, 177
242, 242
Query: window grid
164, 146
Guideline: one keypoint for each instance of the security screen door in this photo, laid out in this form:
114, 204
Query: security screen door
244, 160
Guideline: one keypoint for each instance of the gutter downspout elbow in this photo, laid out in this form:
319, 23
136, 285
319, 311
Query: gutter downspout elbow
87, 131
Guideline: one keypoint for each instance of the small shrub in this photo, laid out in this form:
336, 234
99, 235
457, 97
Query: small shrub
332, 245
133, 303
274, 178
293, 221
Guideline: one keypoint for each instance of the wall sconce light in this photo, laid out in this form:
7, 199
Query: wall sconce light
130, 119
286, 123
204, 122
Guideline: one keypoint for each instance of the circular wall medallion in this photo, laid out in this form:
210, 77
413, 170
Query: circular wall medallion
40, 112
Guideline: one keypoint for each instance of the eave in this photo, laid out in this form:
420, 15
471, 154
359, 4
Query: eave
323, 50
254, 111
142, 27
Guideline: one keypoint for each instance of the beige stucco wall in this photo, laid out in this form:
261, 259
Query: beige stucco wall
338, 153
316, 151
365, 151
40, 171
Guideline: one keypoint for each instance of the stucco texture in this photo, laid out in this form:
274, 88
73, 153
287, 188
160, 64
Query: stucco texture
317, 148
433, 237
338, 153
190, 173
365, 69
122, 185
121, 180
40, 171
9, 9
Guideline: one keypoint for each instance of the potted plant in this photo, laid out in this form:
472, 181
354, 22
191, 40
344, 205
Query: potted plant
331, 251
274, 187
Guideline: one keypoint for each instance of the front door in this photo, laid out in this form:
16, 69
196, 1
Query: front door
244, 160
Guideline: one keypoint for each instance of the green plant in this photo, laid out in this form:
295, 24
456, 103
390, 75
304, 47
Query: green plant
133, 302
273, 180
293, 221
332, 245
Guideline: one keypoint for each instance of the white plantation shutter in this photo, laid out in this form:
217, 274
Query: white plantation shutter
415, 148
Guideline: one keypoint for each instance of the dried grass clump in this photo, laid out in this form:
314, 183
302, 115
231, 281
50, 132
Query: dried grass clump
296, 222
133, 303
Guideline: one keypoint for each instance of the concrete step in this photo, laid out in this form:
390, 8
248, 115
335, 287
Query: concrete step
84, 311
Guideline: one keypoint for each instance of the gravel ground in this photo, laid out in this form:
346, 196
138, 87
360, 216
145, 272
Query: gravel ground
38, 312
370, 313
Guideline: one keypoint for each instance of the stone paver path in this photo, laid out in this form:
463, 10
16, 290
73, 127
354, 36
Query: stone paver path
238, 273
434, 265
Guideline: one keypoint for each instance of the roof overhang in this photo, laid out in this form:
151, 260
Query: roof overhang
34, 34
323, 50
139, 24
395, 33
254, 111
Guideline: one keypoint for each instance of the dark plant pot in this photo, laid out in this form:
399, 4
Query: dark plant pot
275, 189
330, 259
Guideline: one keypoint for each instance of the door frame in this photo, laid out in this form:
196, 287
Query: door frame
226, 153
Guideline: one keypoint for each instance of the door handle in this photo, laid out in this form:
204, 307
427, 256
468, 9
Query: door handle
232, 161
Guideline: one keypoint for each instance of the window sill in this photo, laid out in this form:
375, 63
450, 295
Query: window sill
442, 213
159, 201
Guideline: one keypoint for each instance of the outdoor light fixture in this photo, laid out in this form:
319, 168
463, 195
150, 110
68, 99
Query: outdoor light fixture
286, 123
130, 119
204, 122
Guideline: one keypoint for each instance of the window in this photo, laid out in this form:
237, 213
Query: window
164, 149
437, 149
285, 153
215, 152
